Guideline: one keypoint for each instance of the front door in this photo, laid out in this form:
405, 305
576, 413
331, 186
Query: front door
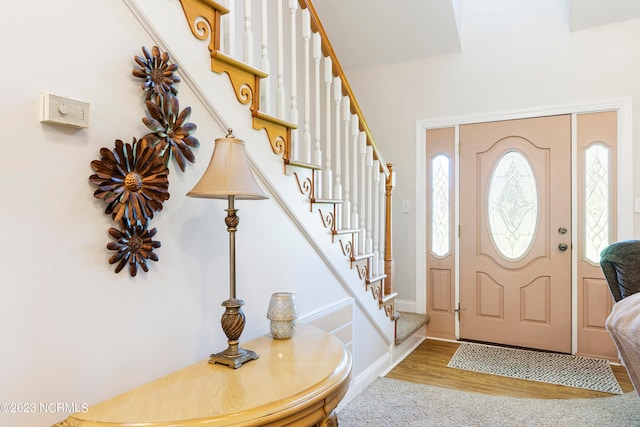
515, 232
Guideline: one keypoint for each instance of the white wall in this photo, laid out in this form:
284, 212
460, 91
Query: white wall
515, 56
72, 330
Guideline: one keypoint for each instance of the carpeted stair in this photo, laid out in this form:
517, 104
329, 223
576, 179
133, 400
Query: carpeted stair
408, 323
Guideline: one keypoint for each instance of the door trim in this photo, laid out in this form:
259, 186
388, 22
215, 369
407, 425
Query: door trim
623, 106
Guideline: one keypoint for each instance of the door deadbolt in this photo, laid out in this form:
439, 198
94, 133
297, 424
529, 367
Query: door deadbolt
563, 247
562, 230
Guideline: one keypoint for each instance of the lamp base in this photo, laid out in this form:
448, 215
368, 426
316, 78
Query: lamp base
233, 321
234, 358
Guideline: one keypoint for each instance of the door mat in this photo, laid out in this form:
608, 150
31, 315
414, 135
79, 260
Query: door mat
554, 368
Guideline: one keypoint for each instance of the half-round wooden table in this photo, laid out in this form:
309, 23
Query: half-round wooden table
296, 382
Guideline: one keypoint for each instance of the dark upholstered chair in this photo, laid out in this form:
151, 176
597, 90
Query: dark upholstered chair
620, 263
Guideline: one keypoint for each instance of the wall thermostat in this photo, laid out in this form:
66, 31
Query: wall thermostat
63, 111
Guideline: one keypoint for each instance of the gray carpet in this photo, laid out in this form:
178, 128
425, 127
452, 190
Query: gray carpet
389, 402
554, 368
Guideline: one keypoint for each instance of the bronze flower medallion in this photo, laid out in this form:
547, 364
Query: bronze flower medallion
157, 72
134, 245
171, 134
132, 180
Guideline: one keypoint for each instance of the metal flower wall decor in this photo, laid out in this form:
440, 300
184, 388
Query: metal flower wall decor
134, 245
133, 179
156, 71
171, 134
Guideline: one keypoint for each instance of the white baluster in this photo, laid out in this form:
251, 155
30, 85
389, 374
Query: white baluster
346, 198
362, 188
306, 36
354, 161
293, 8
337, 163
369, 191
317, 147
265, 84
227, 28
247, 51
280, 93
328, 174
375, 216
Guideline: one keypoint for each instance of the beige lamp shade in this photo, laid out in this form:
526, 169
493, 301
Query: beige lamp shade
228, 173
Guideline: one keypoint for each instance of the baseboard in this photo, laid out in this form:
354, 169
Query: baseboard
365, 379
400, 352
442, 339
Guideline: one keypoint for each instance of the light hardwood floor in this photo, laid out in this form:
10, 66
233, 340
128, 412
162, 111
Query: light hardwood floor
427, 364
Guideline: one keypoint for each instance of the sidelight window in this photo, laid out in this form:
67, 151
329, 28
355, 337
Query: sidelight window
440, 190
597, 204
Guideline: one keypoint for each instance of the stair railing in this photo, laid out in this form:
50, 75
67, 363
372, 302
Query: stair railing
275, 54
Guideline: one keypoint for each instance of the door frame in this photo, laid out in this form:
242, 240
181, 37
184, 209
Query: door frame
623, 106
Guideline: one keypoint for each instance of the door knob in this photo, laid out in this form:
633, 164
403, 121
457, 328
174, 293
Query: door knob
563, 247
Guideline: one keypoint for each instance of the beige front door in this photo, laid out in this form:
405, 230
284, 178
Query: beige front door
515, 232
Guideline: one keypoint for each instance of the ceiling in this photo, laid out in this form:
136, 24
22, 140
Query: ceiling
404, 30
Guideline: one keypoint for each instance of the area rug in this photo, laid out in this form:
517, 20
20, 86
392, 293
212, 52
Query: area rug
389, 402
554, 368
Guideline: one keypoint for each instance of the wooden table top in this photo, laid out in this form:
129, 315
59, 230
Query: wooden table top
289, 375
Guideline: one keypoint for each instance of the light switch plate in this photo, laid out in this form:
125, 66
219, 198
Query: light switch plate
63, 111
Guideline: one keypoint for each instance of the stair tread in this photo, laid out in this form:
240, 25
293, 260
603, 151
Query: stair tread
360, 257
408, 323
302, 164
273, 119
326, 201
236, 63
374, 279
346, 231
388, 297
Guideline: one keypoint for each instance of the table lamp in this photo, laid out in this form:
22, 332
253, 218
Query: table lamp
228, 177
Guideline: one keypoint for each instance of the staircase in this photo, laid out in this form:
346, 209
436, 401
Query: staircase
272, 51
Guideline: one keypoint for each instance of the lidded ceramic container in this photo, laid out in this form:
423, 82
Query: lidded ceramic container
282, 313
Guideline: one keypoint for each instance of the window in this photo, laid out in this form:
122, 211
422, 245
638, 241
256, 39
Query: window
512, 205
596, 200
440, 186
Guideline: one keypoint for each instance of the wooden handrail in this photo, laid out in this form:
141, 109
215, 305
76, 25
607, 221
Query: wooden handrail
327, 50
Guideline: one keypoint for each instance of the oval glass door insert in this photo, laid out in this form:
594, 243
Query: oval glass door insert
512, 208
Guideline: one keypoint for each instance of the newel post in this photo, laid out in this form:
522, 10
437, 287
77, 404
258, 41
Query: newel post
388, 258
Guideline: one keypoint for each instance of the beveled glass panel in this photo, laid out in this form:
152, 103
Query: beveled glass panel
512, 207
440, 185
597, 204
